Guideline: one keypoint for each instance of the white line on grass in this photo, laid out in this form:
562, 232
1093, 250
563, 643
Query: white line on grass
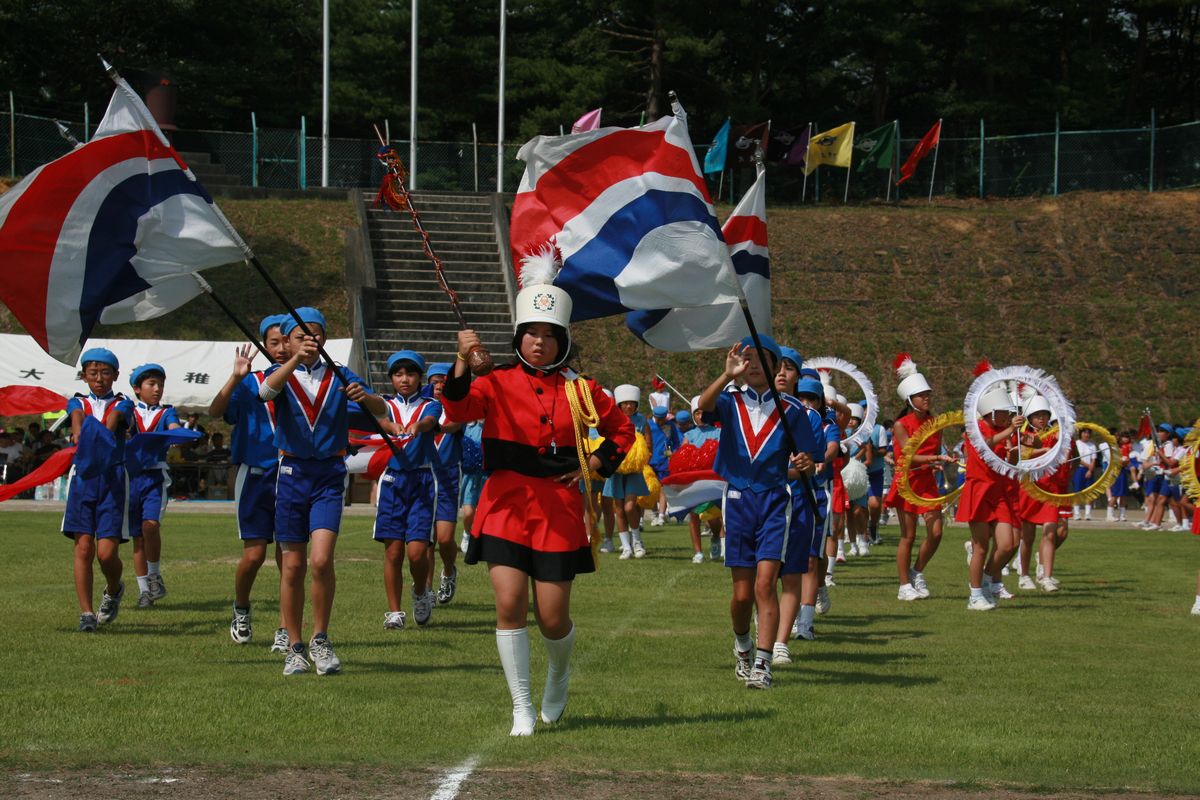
454, 779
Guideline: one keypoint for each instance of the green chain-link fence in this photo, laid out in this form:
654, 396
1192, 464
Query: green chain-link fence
1151, 158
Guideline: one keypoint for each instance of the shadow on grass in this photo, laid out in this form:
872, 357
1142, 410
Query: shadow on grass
845, 677
661, 719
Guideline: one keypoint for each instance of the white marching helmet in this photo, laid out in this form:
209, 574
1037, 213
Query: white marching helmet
541, 301
996, 398
695, 404
1038, 403
911, 381
627, 393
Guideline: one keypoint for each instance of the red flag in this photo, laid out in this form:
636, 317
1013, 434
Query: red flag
927, 143
51, 470
17, 400
1146, 429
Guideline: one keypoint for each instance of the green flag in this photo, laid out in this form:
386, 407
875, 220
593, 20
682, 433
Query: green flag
878, 148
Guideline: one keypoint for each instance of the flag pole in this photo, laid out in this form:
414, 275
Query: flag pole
807, 143
846, 195
892, 165
933, 171
672, 388
206, 287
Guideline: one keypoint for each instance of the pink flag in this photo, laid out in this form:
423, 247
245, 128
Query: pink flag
588, 122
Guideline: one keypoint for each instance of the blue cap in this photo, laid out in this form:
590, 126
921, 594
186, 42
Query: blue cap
659, 411
683, 416
790, 354
438, 368
411, 356
768, 344
271, 322
306, 313
810, 386
135, 379
809, 372
1181, 432
1162, 426
101, 354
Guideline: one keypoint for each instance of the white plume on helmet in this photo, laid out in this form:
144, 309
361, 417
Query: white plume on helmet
911, 381
539, 300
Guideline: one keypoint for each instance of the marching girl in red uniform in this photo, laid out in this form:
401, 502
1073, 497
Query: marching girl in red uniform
1031, 512
917, 395
988, 502
529, 523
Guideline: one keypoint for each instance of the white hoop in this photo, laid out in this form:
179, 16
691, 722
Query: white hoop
1047, 386
835, 364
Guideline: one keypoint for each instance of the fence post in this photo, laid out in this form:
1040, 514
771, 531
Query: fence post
1057, 131
1152, 121
253, 150
303, 153
12, 135
475, 151
981, 145
86, 122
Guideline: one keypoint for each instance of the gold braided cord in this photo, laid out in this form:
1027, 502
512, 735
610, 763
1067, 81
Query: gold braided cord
583, 417
1088, 493
1188, 479
929, 428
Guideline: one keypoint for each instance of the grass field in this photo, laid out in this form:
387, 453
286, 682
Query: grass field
1089, 689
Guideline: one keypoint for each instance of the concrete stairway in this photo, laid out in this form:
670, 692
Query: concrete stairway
410, 309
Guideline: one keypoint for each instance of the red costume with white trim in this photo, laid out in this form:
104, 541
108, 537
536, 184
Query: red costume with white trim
987, 496
922, 480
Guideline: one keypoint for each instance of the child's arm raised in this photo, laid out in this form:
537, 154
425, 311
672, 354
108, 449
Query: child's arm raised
735, 365
242, 356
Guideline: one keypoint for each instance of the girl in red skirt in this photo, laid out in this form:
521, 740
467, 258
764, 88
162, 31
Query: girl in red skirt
917, 395
529, 523
1031, 512
988, 502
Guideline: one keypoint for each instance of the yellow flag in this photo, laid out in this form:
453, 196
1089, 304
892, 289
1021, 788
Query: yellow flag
833, 147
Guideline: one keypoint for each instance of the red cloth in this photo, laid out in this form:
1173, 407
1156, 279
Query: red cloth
987, 496
51, 469
922, 480
1035, 511
18, 400
927, 143
539, 513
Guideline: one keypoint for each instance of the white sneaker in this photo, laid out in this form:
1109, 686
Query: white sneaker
908, 593
626, 553
323, 657
656, 522
829, 579
393, 621
918, 582
607, 546
760, 677
1048, 585
1000, 592
969, 546
852, 550
239, 626
1196, 609
698, 558
466, 540
1026, 583
981, 603
1177, 528
294, 662
1005, 570
742, 664
281, 643
823, 604
780, 654
864, 547
1041, 572
422, 607
639, 550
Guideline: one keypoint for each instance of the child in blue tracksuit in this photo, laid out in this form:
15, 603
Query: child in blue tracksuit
665, 439
447, 462
95, 513
754, 460
252, 449
149, 487
408, 490
311, 433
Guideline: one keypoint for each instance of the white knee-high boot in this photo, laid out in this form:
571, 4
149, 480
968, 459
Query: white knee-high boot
514, 657
558, 676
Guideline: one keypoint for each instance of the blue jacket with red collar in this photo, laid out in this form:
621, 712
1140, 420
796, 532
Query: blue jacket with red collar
311, 420
752, 453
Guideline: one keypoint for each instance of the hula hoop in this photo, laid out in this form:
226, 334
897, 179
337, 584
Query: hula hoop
929, 428
1188, 480
1088, 493
835, 364
1059, 405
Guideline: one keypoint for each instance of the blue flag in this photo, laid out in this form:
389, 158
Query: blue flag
145, 450
714, 159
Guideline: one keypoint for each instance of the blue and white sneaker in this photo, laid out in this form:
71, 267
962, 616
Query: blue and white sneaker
110, 606
323, 657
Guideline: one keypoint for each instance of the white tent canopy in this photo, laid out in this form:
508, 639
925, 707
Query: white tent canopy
195, 370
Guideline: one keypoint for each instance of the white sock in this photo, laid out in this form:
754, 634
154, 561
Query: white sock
743, 642
558, 675
908, 586
808, 614
513, 646
636, 534
976, 592
722, 547
626, 544
143, 583
152, 567
1198, 601
841, 551
832, 562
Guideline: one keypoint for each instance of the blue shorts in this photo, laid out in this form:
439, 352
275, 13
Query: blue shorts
800, 536
876, 484
620, 486
254, 496
1080, 480
471, 487
1153, 485
309, 495
1120, 487
148, 493
756, 525
446, 509
1171, 491
861, 502
406, 503
96, 506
